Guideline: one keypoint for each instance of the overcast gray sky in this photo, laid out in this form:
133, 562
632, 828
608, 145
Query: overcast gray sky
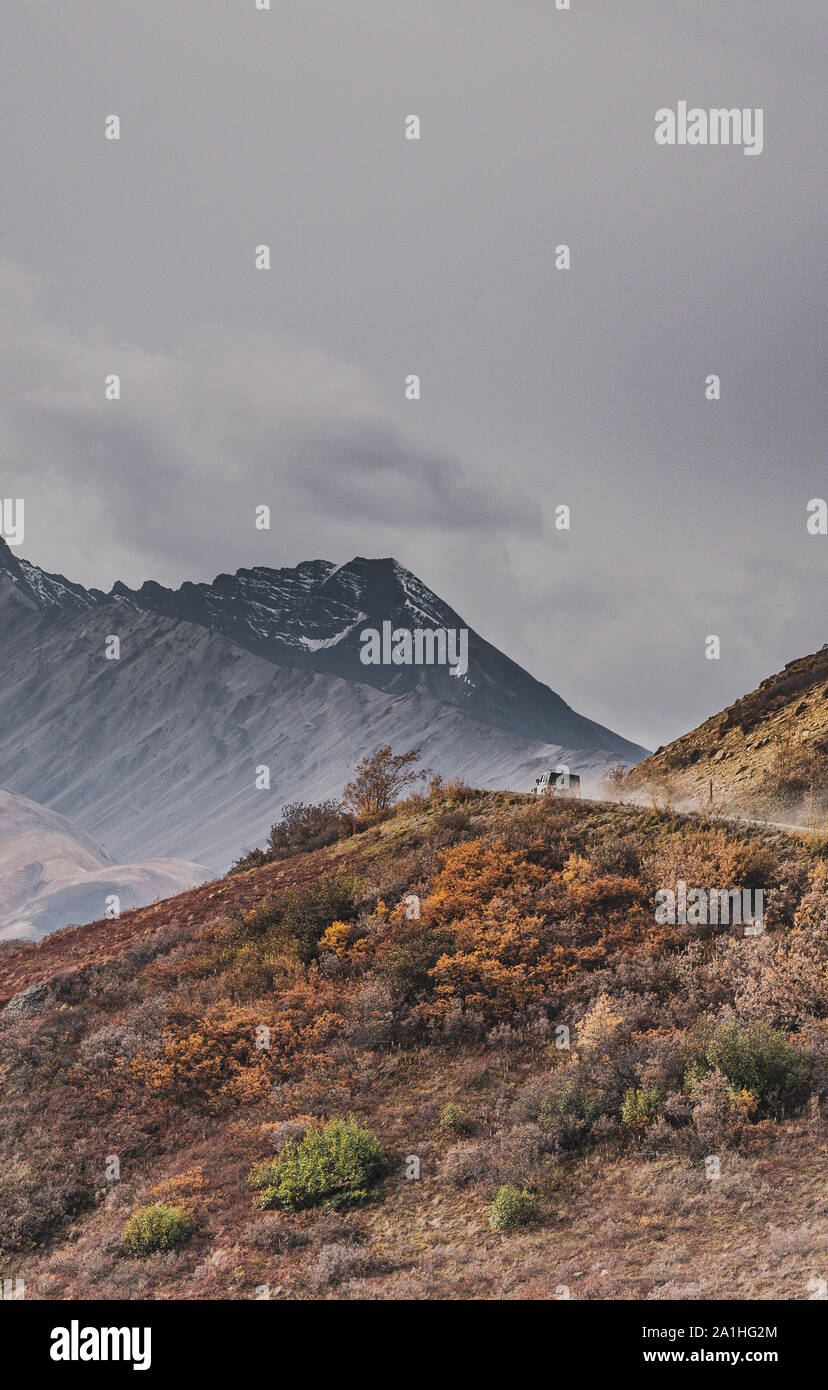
389, 257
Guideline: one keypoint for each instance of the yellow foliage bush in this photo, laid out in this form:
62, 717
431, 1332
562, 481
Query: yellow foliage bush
216, 1063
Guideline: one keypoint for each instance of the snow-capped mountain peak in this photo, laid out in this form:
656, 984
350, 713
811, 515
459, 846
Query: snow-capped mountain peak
312, 617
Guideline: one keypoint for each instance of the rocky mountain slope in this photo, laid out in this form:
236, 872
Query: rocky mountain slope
766, 754
156, 753
51, 873
310, 618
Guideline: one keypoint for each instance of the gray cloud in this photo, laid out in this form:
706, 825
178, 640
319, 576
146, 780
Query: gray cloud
538, 387
167, 479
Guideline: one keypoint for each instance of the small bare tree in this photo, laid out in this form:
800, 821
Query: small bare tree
379, 779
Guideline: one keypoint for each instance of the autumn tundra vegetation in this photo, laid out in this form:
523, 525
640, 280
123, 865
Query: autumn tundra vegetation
431, 1047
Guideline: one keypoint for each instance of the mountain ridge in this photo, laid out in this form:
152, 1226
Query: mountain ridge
156, 754
309, 616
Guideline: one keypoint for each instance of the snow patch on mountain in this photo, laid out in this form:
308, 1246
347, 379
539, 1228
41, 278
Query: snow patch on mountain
318, 644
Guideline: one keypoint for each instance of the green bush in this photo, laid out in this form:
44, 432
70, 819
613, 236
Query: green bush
640, 1107
307, 827
248, 859
570, 1110
761, 1060
300, 917
511, 1208
334, 1164
405, 966
453, 1119
696, 1072
301, 828
155, 1229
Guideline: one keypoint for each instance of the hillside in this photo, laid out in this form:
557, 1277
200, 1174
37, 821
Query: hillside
654, 1094
52, 874
766, 755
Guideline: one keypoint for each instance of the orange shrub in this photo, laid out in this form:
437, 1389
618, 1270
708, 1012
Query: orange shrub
474, 873
216, 1063
500, 964
188, 1190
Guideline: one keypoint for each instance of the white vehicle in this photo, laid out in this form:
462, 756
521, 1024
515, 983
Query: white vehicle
558, 781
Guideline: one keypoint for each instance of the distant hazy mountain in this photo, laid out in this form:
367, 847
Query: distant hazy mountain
156, 753
52, 874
